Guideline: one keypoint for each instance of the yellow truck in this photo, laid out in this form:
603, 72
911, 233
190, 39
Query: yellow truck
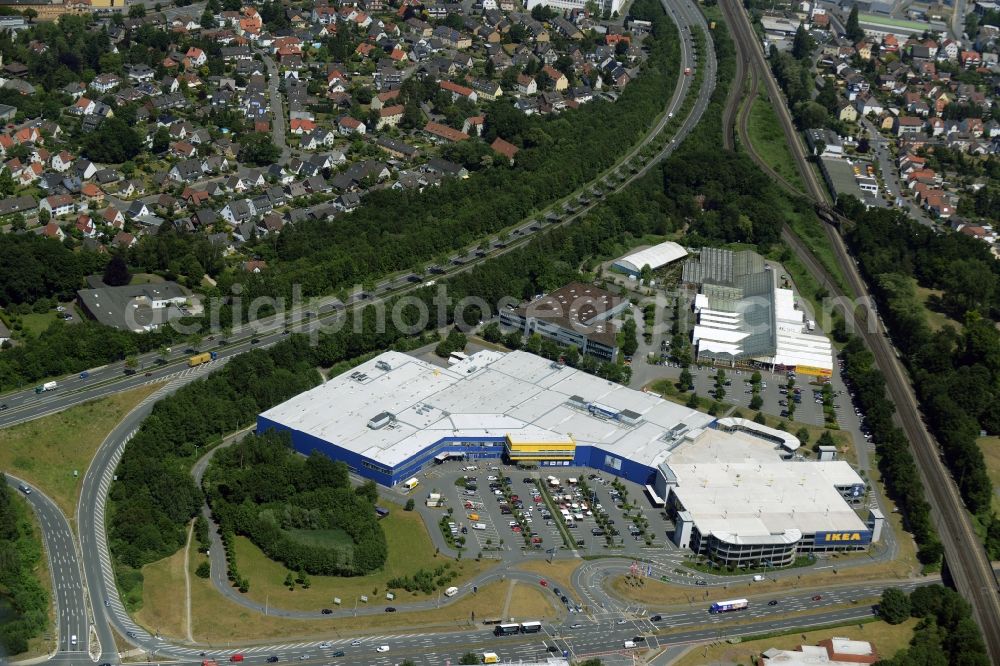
198, 359
491, 658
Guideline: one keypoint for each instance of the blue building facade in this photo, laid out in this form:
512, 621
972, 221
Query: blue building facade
472, 448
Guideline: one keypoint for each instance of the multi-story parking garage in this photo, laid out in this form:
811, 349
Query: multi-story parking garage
730, 483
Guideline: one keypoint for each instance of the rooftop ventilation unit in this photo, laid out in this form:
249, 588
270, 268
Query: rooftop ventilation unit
381, 420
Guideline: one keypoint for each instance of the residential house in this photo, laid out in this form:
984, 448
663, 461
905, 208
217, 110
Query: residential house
389, 116
62, 161
445, 133
348, 126
58, 205
187, 171
459, 91
506, 149
526, 85
238, 211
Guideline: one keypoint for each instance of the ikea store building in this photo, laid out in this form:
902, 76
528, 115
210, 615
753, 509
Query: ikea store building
395, 415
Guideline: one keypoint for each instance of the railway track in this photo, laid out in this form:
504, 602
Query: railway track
965, 555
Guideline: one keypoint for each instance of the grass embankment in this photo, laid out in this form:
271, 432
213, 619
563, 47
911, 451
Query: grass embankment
410, 549
887, 639
216, 620
769, 143
45, 452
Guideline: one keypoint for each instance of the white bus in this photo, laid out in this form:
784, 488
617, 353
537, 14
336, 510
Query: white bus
531, 627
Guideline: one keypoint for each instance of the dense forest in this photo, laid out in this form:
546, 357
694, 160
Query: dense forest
33, 267
261, 489
947, 635
956, 372
20, 556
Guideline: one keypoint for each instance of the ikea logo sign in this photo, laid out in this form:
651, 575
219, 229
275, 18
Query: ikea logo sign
830, 538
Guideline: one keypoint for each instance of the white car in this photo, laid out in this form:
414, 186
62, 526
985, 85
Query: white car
491, 478
324, 645
355, 643
382, 648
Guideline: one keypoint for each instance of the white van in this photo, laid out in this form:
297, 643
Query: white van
629, 645
758, 578
479, 526
451, 591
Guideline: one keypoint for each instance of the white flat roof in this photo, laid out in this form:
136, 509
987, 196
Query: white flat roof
490, 394
656, 256
760, 499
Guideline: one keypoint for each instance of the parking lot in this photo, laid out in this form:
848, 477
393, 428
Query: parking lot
498, 509
739, 392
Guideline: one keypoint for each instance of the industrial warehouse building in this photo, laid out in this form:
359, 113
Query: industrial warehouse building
655, 257
743, 318
395, 415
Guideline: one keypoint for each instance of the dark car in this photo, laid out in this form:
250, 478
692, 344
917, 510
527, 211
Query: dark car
3, 407
817, 597
639, 639
772, 602
338, 653
327, 611
656, 618
254, 341
701, 582
272, 660
390, 609
552, 648
564, 599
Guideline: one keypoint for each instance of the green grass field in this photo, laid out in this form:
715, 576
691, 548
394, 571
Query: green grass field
768, 141
335, 538
410, 549
45, 452
35, 324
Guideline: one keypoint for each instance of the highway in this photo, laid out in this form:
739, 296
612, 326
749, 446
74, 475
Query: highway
965, 556
69, 595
